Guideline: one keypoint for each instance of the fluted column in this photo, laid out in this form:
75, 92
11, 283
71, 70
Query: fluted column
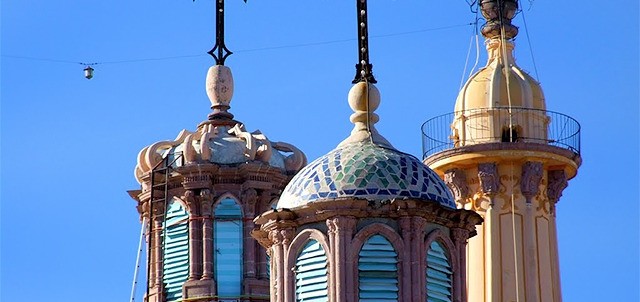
340, 234
418, 263
288, 275
529, 186
556, 183
277, 269
488, 177
407, 260
460, 237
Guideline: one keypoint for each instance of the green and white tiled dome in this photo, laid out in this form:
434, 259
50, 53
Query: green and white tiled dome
365, 170
365, 165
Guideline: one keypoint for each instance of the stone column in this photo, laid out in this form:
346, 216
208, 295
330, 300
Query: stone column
206, 202
460, 237
556, 183
419, 263
407, 260
488, 176
340, 233
249, 199
277, 269
156, 267
529, 186
195, 238
287, 272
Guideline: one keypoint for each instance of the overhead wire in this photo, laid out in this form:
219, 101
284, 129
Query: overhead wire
309, 44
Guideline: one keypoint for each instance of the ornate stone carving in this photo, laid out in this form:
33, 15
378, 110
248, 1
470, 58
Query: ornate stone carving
557, 182
206, 202
341, 224
287, 235
459, 235
293, 162
531, 176
250, 198
488, 176
456, 180
193, 206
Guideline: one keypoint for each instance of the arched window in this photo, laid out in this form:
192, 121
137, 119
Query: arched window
176, 247
228, 248
311, 273
439, 283
378, 270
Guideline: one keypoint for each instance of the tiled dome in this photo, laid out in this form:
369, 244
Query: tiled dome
365, 170
365, 165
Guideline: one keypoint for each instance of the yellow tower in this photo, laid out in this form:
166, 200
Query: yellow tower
505, 156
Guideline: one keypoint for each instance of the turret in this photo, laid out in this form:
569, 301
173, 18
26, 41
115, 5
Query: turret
508, 158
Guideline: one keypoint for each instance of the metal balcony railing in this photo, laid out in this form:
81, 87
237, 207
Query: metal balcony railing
491, 125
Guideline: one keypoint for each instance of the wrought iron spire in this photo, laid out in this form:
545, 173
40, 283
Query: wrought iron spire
364, 69
220, 52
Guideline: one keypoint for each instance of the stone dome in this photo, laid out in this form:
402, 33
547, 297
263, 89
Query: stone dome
487, 88
365, 166
220, 140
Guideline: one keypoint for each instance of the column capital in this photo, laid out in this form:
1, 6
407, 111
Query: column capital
531, 177
456, 180
489, 178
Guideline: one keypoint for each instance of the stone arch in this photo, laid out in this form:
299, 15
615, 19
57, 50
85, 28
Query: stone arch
450, 248
291, 255
451, 252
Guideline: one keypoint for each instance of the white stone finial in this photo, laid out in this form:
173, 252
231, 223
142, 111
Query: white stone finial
220, 89
364, 99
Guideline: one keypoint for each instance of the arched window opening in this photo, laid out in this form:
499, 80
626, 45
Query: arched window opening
311, 273
378, 270
228, 248
176, 250
439, 281
510, 136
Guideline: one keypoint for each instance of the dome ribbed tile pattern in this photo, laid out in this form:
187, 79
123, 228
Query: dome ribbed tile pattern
368, 171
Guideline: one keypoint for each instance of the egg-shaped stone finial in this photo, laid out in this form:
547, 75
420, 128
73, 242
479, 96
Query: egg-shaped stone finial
364, 99
220, 90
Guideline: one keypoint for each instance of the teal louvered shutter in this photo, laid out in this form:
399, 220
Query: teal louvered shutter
311, 273
439, 283
378, 270
176, 255
228, 248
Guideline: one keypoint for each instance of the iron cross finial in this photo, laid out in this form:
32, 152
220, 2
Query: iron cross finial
220, 52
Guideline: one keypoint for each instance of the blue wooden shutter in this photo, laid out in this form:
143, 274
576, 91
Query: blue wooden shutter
176, 253
228, 248
378, 270
439, 283
311, 273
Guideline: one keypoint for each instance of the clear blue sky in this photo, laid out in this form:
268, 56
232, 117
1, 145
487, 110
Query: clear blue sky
69, 145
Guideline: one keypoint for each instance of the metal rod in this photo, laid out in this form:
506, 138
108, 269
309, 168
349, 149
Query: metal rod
222, 51
137, 269
364, 68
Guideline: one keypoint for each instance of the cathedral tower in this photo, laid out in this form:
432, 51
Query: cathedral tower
366, 222
199, 194
505, 156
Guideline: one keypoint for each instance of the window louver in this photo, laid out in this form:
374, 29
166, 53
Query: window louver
378, 270
311, 273
228, 248
176, 255
439, 283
